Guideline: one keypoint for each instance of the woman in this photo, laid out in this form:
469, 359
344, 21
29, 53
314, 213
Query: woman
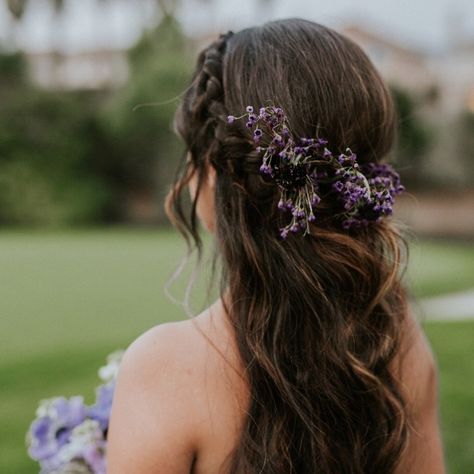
310, 361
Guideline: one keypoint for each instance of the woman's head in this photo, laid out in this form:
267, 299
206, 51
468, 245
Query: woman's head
324, 82
317, 318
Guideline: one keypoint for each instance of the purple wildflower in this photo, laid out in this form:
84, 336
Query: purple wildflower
51, 430
257, 134
100, 411
315, 200
304, 169
295, 227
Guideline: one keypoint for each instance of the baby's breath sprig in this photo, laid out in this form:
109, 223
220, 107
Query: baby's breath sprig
306, 171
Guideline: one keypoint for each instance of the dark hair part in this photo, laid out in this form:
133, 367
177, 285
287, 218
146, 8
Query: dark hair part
317, 319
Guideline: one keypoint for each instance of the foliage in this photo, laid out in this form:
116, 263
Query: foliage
46, 150
138, 119
73, 157
465, 144
415, 137
13, 72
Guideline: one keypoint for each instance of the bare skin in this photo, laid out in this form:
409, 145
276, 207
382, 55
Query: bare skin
181, 396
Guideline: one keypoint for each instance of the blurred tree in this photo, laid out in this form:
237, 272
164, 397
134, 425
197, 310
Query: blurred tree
465, 145
47, 139
66, 158
138, 118
415, 138
13, 72
17, 8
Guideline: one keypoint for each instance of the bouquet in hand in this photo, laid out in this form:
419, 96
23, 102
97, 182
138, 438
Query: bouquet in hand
69, 437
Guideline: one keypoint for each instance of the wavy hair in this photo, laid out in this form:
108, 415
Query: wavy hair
317, 319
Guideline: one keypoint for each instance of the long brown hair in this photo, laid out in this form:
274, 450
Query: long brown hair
317, 319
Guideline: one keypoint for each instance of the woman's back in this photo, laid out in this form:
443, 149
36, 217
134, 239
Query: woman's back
209, 373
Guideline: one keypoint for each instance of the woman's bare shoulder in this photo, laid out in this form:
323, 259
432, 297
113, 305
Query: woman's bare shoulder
415, 365
157, 410
417, 373
197, 340
167, 379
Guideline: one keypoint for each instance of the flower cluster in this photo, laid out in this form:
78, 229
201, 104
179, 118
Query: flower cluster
69, 436
306, 172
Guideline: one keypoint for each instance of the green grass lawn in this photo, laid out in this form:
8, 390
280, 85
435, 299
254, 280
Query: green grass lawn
438, 267
452, 343
70, 298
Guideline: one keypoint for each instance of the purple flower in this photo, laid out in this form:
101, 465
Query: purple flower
253, 118
44, 442
302, 166
279, 112
56, 419
347, 224
294, 227
230, 119
100, 411
352, 158
95, 457
278, 140
315, 200
87, 446
257, 134
338, 186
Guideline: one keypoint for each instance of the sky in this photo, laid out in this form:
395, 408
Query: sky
421, 24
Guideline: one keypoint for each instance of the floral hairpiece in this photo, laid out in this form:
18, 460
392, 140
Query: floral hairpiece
306, 172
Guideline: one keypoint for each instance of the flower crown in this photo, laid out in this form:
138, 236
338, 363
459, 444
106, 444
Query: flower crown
307, 172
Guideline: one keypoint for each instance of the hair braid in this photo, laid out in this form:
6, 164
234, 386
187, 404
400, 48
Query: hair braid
207, 104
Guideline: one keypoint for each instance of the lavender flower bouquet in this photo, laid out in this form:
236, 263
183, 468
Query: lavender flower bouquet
68, 436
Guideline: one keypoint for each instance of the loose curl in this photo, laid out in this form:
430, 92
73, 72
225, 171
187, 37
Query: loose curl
317, 320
